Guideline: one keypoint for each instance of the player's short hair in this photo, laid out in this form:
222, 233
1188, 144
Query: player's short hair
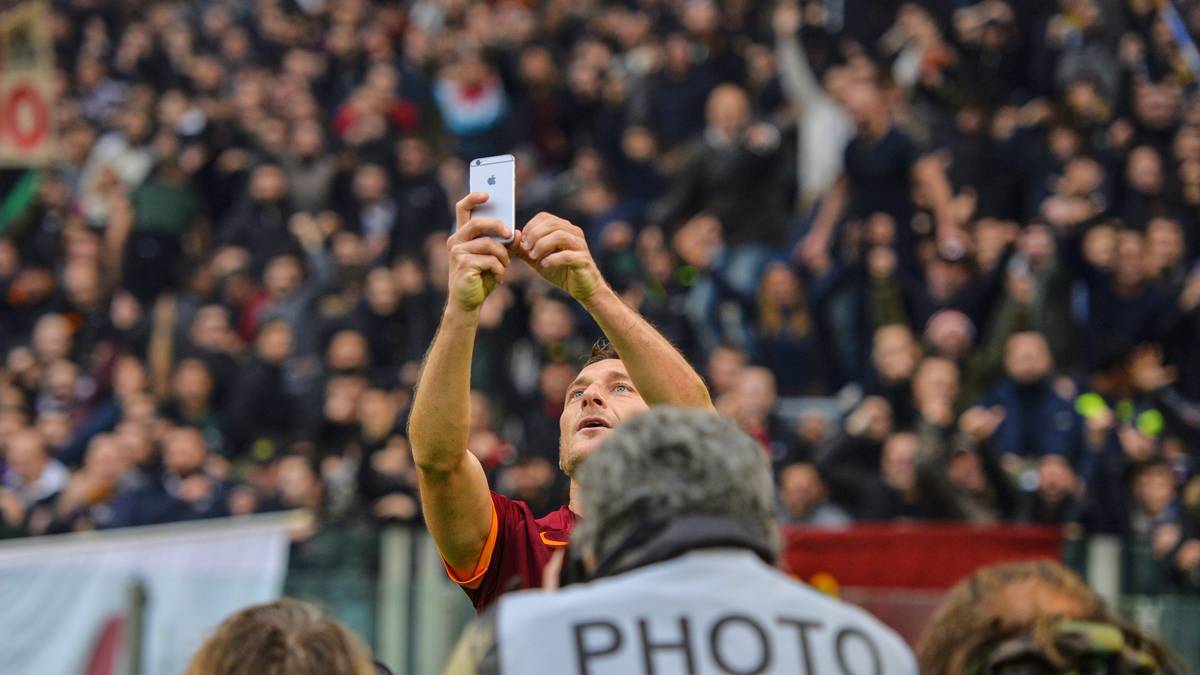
601, 350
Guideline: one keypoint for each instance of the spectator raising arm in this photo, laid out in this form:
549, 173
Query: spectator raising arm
454, 489
558, 251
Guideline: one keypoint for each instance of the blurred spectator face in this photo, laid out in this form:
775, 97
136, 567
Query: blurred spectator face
864, 101
678, 54
554, 380
780, 286
298, 484
348, 350
381, 293
129, 377
946, 277
308, 140
965, 472
105, 462
1144, 170
1056, 479
881, 229
268, 184
370, 183
1037, 243
1156, 105
55, 427
193, 383
725, 366
26, 455
638, 144
1186, 147
756, 395
950, 333
838, 81
52, 338
82, 283
598, 400
60, 380
551, 322
898, 465
1027, 357
1164, 245
536, 67
1154, 489
342, 396
1100, 246
1081, 177
895, 353
728, 112
471, 71
134, 441
135, 125
210, 328
283, 276
413, 156
274, 342
936, 377
377, 409
184, 451
801, 489
1129, 266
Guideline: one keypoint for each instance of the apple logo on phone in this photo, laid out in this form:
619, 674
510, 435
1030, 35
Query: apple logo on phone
491, 180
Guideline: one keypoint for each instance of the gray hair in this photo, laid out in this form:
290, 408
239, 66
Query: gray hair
671, 462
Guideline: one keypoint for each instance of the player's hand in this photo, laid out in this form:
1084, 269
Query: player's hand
477, 261
559, 252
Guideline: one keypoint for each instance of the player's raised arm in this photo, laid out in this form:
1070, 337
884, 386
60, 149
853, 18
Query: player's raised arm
454, 489
558, 251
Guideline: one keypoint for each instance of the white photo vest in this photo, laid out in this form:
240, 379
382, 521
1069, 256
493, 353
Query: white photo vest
713, 611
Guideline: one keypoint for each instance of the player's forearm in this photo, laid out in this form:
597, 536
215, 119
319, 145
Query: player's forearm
659, 371
438, 426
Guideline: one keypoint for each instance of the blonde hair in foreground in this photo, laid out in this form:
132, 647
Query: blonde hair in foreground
1011, 599
287, 637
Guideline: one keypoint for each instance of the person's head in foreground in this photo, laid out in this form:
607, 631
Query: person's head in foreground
668, 474
1034, 618
286, 637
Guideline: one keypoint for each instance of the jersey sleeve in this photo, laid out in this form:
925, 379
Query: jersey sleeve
506, 555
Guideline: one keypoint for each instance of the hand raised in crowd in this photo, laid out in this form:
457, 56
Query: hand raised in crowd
478, 262
558, 251
980, 422
1146, 369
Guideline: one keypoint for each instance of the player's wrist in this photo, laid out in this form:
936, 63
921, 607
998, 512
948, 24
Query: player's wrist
458, 314
601, 297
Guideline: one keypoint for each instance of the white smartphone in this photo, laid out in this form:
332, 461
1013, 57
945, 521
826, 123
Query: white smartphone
497, 176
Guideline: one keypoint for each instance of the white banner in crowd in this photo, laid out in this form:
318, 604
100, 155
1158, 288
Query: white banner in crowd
64, 600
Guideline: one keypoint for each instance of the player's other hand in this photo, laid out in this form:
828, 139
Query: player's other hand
559, 252
478, 262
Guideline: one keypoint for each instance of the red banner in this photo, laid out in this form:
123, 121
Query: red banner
900, 572
910, 556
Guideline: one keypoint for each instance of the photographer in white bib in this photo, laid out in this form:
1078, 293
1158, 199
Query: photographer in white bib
678, 549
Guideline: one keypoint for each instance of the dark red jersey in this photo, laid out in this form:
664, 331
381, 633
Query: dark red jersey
517, 550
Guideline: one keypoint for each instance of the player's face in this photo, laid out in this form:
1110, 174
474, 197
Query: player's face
599, 399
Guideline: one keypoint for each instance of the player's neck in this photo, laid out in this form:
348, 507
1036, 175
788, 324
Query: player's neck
573, 498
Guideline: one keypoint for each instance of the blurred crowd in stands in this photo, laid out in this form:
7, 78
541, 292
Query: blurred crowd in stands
939, 257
